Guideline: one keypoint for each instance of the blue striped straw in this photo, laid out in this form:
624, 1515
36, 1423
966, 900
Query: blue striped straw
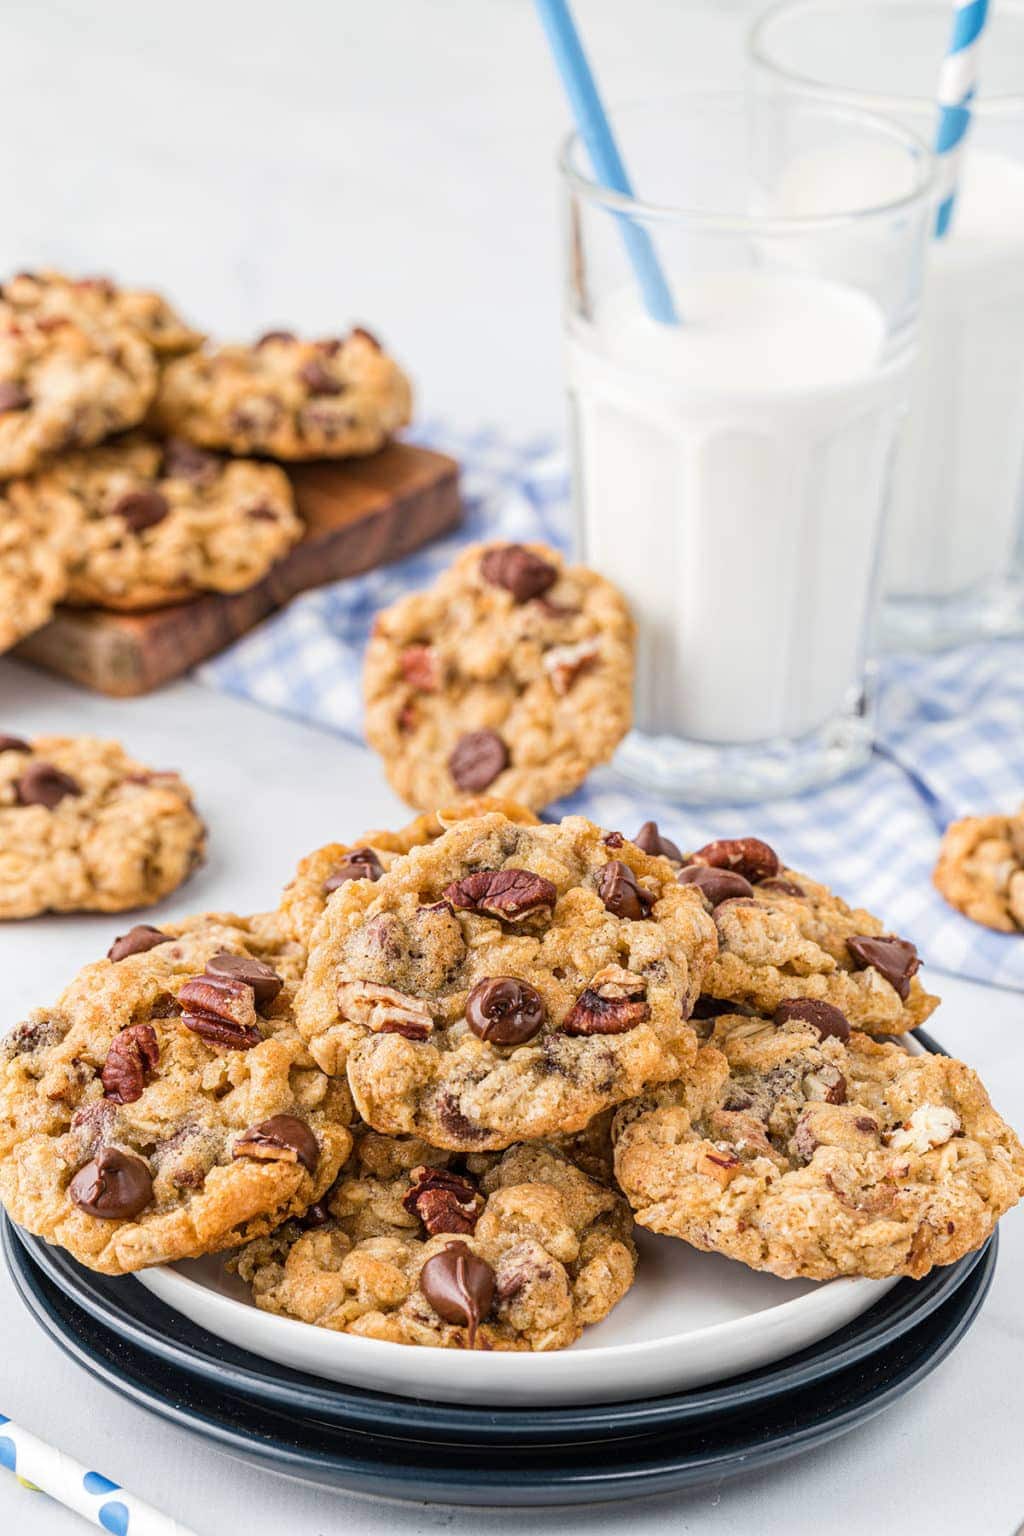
957, 84
609, 168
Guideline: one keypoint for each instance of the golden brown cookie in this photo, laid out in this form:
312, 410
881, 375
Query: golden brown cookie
408, 1249
166, 1106
808, 1150
98, 303
512, 674
506, 982
980, 870
35, 550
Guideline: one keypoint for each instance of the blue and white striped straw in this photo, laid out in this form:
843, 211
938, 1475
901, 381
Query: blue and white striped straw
957, 84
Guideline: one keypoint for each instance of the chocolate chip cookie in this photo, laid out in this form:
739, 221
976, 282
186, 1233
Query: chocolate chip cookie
35, 547
287, 398
158, 522
801, 1148
86, 828
409, 1249
320, 874
512, 674
506, 982
98, 303
166, 1106
64, 386
782, 935
980, 870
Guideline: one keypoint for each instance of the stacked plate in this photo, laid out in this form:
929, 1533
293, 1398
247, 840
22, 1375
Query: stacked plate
706, 1369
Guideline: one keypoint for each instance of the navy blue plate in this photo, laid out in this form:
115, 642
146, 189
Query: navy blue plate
137, 1317
331, 1457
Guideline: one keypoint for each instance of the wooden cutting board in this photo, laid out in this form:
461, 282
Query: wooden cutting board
359, 514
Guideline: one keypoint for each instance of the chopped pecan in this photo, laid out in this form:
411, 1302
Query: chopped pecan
826, 1084
748, 856
421, 668
507, 894
384, 1010
131, 1061
720, 1166
282, 1138
564, 663
220, 1010
444, 1202
614, 1002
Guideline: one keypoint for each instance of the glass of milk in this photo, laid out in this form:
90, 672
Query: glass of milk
731, 472
953, 567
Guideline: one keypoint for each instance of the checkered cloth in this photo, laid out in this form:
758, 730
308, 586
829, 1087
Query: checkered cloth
951, 737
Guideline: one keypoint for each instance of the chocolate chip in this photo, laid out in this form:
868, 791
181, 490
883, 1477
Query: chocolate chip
477, 758
622, 893
652, 841
114, 1186
141, 509
261, 514
13, 744
507, 894
318, 1215
358, 864
275, 336
136, 942
443, 1201
13, 396
459, 1286
281, 1138
263, 979
748, 856
717, 885
518, 570
613, 839
132, 1059
714, 1007
184, 461
456, 1123
828, 1021
784, 887
504, 1010
43, 784
360, 330
318, 379
895, 959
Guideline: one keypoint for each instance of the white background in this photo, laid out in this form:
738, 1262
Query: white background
310, 163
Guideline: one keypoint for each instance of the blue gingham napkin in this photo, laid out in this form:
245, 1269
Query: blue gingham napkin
951, 737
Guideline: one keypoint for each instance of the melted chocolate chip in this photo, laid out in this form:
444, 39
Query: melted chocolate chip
318, 379
282, 1136
184, 461
358, 864
477, 759
828, 1021
622, 893
13, 396
13, 744
895, 959
652, 841
504, 1010
141, 509
717, 885
518, 570
263, 979
114, 1186
269, 336
43, 784
459, 1286
136, 942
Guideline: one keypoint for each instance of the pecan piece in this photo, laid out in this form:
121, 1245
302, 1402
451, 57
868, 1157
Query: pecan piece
384, 1010
507, 894
220, 1010
130, 1064
282, 1138
443, 1201
421, 668
614, 1002
748, 856
720, 1166
564, 663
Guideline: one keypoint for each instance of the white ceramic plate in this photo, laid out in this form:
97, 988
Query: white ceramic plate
691, 1318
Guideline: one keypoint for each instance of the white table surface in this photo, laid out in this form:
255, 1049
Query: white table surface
312, 163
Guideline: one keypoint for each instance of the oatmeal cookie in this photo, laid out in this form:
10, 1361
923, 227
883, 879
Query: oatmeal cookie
64, 386
506, 982
35, 547
321, 872
167, 1107
408, 1249
513, 673
158, 522
287, 398
782, 935
86, 828
96, 302
800, 1147
981, 870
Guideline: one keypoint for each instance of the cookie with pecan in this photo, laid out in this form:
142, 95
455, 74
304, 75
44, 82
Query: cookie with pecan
98, 303
980, 870
506, 982
321, 873
798, 1146
513, 674
783, 935
65, 386
522, 1255
86, 828
155, 523
287, 398
167, 1106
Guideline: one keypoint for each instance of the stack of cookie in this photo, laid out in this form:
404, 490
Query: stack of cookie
426, 1099
136, 463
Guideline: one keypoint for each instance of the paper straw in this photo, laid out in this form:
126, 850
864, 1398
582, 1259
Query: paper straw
957, 84
44, 1469
609, 168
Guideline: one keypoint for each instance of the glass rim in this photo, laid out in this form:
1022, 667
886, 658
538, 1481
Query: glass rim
745, 223
880, 103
